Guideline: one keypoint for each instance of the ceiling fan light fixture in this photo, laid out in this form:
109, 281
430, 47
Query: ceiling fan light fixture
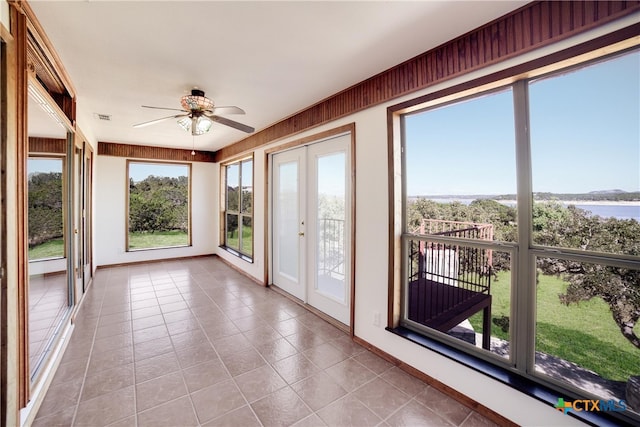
203, 125
196, 101
196, 125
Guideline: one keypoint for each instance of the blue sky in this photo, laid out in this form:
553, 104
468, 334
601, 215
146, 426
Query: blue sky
45, 165
140, 171
585, 136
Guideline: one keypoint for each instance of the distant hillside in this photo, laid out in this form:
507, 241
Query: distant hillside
601, 195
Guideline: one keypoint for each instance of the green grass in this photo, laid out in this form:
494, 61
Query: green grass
158, 239
583, 333
247, 241
53, 248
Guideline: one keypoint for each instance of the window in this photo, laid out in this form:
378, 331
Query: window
159, 205
46, 215
530, 240
238, 208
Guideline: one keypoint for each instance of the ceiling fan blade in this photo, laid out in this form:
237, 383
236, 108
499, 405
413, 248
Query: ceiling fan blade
231, 123
163, 108
227, 110
151, 122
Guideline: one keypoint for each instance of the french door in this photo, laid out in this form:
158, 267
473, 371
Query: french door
311, 224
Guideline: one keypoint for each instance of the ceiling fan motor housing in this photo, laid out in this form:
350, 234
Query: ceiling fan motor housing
196, 101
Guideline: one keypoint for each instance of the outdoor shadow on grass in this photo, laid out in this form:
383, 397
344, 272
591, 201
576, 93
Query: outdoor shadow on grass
569, 355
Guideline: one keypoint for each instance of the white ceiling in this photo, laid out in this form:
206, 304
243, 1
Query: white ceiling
270, 58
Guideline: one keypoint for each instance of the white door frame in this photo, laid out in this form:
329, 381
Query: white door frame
349, 130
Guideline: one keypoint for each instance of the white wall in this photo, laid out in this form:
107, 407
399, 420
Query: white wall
110, 213
372, 256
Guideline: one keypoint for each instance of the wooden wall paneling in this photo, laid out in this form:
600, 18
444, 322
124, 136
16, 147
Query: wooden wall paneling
153, 153
47, 145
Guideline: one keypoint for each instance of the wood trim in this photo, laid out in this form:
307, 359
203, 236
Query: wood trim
47, 67
22, 81
47, 145
7, 139
531, 27
153, 153
451, 392
56, 66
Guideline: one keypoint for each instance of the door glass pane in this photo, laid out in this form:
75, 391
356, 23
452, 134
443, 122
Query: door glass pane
287, 219
585, 318
585, 154
48, 284
330, 272
461, 169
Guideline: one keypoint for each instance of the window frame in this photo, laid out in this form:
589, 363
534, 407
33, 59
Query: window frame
519, 369
128, 201
224, 198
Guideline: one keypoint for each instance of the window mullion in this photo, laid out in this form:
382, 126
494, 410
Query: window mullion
524, 290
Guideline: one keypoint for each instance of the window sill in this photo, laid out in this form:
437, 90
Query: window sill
236, 253
512, 379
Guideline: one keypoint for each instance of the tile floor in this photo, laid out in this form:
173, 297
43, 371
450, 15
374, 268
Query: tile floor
192, 342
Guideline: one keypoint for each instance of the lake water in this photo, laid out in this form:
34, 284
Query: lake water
615, 211
605, 211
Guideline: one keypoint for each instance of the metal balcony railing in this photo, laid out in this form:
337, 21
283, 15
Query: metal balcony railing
448, 281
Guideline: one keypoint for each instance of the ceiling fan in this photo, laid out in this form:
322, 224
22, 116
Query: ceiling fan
198, 114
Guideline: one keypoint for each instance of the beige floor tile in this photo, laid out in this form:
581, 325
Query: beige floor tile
319, 390
61, 396
259, 383
217, 400
159, 390
295, 368
476, 420
107, 381
348, 412
325, 355
445, 406
350, 374
148, 334
405, 382
281, 408
153, 348
205, 374
239, 363
374, 362
177, 412
154, 367
243, 416
61, 418
311, 421
276, 350
380, 397
415, 414
106, 409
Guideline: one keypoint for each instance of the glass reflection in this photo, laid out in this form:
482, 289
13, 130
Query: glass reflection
48, 287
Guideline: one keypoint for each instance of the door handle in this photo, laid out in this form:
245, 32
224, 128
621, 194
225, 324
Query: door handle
301, 233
